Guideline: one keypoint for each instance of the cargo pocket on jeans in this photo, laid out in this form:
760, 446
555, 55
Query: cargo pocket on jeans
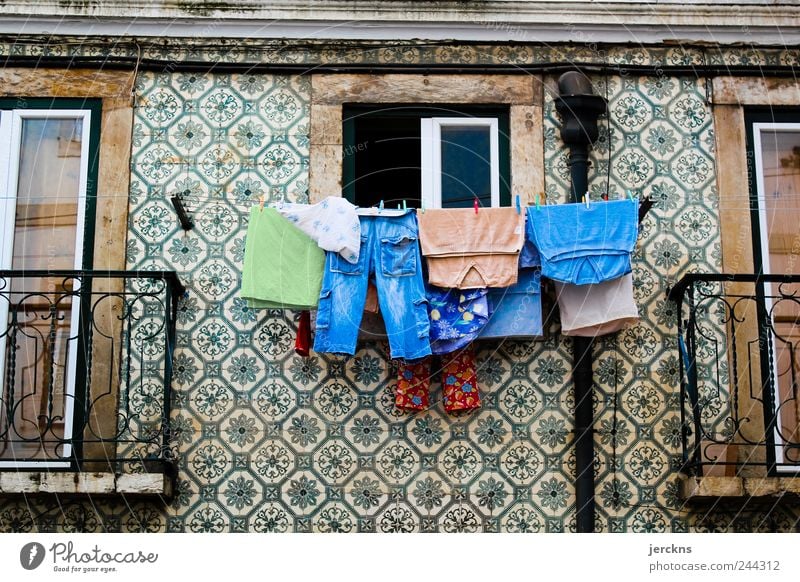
399, 255
422, 319
324, 310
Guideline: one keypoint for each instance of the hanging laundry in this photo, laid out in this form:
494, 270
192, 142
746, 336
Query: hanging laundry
466, 250
583, 245
593, 310
460, 381
371, 304
459, 378
529, 257
332, 223
457, 317
413, 385
283, 267
390, 254
517, 310
302, 342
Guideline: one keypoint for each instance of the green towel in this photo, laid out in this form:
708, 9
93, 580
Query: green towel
282, 265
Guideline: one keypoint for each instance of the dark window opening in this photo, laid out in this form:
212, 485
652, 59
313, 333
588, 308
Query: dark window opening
382, 153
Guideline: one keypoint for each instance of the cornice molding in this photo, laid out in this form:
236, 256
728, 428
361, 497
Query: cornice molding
742, 21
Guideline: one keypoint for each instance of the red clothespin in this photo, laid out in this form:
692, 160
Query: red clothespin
475, 204
261, 203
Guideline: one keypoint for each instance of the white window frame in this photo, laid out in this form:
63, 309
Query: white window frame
758, 128
11, 122
431, 156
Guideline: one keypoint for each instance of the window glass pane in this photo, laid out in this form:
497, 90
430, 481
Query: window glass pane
47, 194
40, 309
466, 166
780, 200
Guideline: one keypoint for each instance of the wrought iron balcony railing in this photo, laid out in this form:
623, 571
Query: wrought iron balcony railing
86, 362
738, 337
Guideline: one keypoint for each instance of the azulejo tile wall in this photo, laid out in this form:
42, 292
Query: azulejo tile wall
268, 441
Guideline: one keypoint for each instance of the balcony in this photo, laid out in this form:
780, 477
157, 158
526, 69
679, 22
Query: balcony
86, 361
738, 340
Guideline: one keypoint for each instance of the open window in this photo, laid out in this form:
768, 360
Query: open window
444, 157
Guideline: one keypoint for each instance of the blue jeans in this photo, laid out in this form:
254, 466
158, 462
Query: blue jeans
582, 245
390, 252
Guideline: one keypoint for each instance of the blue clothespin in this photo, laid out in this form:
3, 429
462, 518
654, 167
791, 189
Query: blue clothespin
538, 202
517, 204
630, 194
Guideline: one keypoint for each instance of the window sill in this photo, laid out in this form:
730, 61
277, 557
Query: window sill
84, 483
715, 488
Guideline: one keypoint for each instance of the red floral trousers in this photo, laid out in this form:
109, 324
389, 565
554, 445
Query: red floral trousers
459, 383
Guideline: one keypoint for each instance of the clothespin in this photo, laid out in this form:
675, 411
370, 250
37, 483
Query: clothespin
630, 194
586, 199
605, 196
543, 198
517, 204
380, 206
422, 206
405, 207
475, 204
538, 200
261, 203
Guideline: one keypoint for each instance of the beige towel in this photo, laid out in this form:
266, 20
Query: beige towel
466, 250
594, 310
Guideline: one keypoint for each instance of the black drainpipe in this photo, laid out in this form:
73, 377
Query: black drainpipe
579, 108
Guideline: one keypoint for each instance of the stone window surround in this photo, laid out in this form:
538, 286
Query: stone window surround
730, 97
114, 89
522, 93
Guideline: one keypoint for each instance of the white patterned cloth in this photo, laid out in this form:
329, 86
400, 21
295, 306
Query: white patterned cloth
332, 223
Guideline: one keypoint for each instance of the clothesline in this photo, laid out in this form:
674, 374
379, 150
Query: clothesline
523, 198
206, 214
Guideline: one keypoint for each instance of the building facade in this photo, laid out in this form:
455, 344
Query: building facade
221, 106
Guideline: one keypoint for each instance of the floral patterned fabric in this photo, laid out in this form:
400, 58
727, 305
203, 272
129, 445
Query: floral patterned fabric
413, 385
459, 383
457, 317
